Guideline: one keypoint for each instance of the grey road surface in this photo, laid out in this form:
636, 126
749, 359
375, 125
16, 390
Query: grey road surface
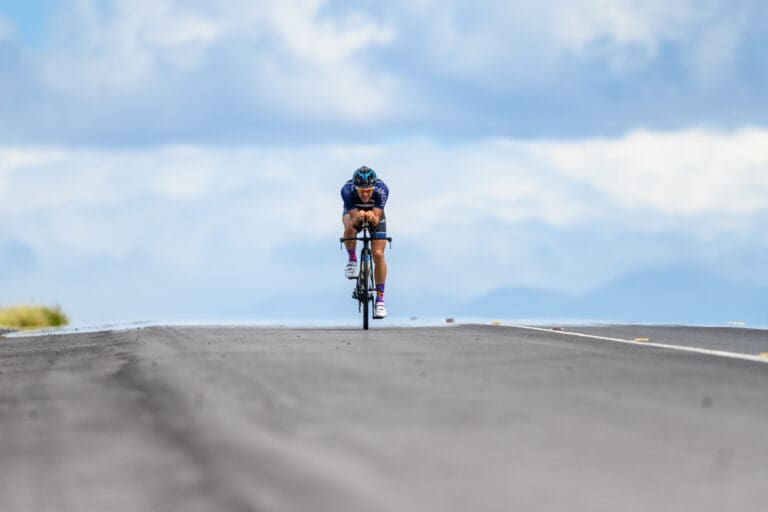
464, 418
739, 340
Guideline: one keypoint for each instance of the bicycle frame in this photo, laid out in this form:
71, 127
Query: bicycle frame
365, 286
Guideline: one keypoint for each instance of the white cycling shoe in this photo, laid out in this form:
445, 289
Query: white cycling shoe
380, 310
351, 269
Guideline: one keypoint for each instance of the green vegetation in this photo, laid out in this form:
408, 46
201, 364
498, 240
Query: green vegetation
30, 317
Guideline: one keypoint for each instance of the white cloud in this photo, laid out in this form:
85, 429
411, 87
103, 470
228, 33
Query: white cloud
126, 45
322, 41
167, 71
559, 214
690, 173
578, 25
520, 43
287, 54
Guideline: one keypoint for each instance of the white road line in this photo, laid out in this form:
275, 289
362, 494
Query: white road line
682, 348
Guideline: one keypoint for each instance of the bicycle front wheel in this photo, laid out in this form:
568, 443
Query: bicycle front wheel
365, 272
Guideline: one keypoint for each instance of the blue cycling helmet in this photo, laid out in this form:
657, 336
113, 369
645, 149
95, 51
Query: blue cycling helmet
364, 177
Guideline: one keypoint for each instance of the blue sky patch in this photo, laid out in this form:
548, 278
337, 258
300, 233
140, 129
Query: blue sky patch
29, 18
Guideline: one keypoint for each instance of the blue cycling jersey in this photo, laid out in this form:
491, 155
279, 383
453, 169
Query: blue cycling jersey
352, 200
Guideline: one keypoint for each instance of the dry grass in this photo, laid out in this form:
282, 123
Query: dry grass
29, 317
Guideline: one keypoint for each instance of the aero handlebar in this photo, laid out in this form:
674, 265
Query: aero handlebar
362, 239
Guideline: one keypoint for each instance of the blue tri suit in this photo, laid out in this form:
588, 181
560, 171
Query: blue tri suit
378, 200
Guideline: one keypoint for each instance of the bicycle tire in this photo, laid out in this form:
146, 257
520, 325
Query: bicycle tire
372, 287
365, 271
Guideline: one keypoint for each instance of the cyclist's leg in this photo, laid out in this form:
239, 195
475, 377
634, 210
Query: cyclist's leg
350, 269
349, 231
380, 273
377, 252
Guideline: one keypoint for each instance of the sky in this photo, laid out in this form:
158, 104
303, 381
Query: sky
162, 159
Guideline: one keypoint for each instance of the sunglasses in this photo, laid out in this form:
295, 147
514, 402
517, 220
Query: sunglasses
361, 190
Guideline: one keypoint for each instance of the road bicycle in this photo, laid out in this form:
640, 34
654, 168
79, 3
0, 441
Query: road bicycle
365, 285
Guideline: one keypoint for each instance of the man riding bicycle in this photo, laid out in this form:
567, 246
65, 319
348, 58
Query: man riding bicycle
364, 198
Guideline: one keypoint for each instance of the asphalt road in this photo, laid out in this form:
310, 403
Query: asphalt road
739, 340
464, 418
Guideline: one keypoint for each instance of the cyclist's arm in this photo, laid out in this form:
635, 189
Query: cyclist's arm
372, 216
354, 215
376, 214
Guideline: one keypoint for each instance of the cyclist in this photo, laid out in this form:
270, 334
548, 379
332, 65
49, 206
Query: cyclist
364, 198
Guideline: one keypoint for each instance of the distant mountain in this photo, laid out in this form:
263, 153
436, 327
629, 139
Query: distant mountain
672, 295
